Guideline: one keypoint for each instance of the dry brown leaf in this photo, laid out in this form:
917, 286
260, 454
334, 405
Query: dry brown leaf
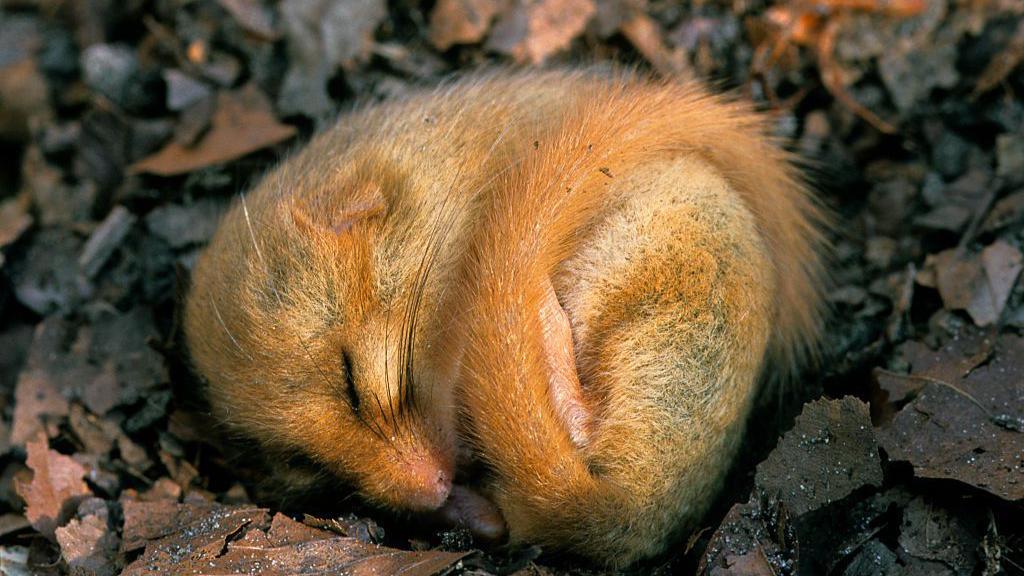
979, 284
243, 123
646, 36
1002, 264
148, 521
36, 398
87, 543
242, 540
55, 490
14, 221
461, 21
1000, 67
23, 92
829, 453
531, 31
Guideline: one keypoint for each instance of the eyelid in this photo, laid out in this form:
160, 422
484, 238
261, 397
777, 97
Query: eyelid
350, 381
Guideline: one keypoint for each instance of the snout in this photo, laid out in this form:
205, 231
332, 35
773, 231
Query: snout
426, 484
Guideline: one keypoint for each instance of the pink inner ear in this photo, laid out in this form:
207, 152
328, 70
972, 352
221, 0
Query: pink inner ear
564, 384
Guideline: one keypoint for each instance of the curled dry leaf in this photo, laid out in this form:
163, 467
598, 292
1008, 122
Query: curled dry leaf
55, 490
530, 32
242, 123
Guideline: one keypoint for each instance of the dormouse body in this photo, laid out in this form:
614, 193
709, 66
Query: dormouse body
575, 279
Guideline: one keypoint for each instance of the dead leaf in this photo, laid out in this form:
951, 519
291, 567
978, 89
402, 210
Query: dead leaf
829, 453
215, 539
104, 240
87, 543
253, 17
1005, 212
36, 398
321, 37
23, 91
646, 36
759, 529
978, 284
1000, 67
150, 521
14, 221
967, 419
55, 490
532, 30
1002, 263
39, 394
461, 21
14, 560
931, 532
184, 225
242, 123
11, 523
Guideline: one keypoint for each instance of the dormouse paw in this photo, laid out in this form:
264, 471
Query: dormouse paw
564, 385
466, 508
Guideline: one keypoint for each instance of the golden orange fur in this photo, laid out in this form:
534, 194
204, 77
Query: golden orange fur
414, 247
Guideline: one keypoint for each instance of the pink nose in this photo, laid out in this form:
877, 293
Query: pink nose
427, 485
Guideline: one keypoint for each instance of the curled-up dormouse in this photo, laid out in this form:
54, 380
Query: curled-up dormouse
574, 281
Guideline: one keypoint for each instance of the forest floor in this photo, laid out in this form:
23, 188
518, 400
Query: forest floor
127, 127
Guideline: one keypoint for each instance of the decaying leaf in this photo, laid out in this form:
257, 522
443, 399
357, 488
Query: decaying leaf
646, 36
967, 419
979, 284
14, 221
829, 453
41, 394
461, 21
55, 490
940, 535
754, 539
531, 31
215, 539
242, 123
253, 16
87, 543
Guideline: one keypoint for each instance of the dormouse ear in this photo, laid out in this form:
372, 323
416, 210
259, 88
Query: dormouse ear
337, 218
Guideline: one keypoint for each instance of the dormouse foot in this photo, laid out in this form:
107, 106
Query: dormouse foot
564, 385
468, 509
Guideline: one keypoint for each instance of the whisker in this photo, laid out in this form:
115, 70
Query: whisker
252, 233
231, 336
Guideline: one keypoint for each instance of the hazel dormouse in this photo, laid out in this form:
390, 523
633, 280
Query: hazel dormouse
573, 280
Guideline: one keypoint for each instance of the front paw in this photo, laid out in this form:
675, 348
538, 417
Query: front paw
465, 508
564, 382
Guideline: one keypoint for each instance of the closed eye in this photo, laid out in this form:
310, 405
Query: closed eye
350, 381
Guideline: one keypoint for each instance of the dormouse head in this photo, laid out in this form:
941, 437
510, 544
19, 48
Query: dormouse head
308, 320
